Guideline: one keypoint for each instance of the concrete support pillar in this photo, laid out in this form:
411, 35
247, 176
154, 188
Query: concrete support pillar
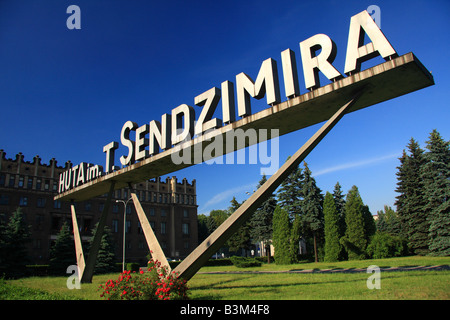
152, 241
78, 246
88, 272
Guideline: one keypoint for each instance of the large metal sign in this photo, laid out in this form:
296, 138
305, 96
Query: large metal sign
156, 143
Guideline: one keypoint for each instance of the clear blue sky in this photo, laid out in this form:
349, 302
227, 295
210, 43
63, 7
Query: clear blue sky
66, 93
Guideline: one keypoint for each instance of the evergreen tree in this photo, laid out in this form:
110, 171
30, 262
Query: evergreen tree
240, 240
339, 202
332, 237
312, 217
106, 256
388, 222
62, 253
289, 195
369, 223
355, 240
296, 235
13, 239
281, 237
261, 221
400, 202
202, 227
412, 213
436, 178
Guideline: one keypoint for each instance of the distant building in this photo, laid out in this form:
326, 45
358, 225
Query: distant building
170, 207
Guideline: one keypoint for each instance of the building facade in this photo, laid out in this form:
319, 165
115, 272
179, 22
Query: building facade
170, 206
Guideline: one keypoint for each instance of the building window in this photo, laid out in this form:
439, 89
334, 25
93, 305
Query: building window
185, 213
87, 206
39, 220
4, 199
115, 226
186, 244
163, 228
160, 198
12, 180
57, 204
128, 226
128, 209
152, 224
152, 211
192, 200
87, 225
163, 212
139, 228
185, 228
115, 208
101, 206
47, 185
30, 183
41, 202
55, 186
23, 202
2, 179
21, 179
38, 184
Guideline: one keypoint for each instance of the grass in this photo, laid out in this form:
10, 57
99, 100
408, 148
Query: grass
423, 285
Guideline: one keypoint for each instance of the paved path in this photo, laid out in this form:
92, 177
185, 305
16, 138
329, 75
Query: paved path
335, 270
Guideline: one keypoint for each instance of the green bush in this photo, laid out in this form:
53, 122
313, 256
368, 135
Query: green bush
244, 262
36, 270
132, 266
383, 245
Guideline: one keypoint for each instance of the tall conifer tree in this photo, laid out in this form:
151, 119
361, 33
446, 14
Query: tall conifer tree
281, 237
436, 178
261, 221
289, 195
355, 240
312, 209
331, 219
412, 210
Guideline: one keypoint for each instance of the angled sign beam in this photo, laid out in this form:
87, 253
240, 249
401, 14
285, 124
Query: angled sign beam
152, 242
189, 266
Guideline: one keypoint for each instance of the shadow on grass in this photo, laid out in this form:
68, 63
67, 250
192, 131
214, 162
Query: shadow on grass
223, 286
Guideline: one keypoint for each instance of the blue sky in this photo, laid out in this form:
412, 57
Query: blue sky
67, 93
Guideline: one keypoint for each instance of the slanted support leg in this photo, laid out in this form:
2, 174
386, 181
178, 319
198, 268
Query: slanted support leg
88, 272
189, 266
77, 240
152, 241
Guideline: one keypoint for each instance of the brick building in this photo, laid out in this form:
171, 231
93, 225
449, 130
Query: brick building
170, 206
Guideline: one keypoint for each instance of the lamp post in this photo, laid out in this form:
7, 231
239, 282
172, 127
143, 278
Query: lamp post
124, 228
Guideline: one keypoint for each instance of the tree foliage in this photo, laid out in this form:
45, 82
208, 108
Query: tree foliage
62, 253
332, 236
282, 237
355, 240
13, 239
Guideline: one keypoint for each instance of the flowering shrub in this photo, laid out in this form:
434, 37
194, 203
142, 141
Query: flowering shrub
157, 283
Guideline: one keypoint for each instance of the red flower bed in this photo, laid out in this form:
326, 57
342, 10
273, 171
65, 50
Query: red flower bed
157, 283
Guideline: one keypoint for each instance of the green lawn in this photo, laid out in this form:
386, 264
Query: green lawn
286, 286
